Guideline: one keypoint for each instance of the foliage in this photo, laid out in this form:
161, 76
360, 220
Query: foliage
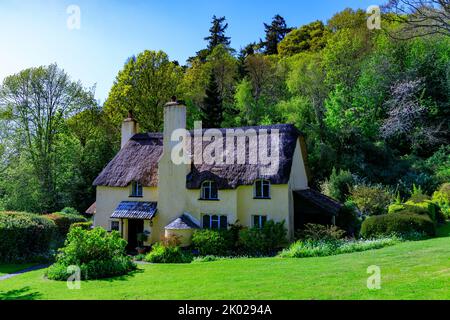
265, 241
212, 109
275, 33
442, 199
146, 82
371, 200
212, 242
317, 232
64, 221
397, 223
35, 104
217, 33
83, 225
312, 37
349, 219
97, 253
315, 248
24, 237
168, 254
339, 184
70, 211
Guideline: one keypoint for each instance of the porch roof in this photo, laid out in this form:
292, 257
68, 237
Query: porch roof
326, 204
135, 210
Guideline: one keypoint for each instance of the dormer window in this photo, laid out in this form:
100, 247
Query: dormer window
209, 191
262, 189
136, 190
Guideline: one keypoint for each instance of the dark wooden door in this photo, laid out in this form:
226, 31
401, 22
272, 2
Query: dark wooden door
134, 228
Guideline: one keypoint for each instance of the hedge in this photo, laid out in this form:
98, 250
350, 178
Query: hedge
25, 237
397, 223
64, 221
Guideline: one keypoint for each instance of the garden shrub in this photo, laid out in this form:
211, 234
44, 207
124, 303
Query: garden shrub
339, 184
371, 200
265, 241
70, 210
442, 199
25, 237
397, 223
349, 219
83, 225
212, 242
317, 232
64, 221
97, 253
168, 254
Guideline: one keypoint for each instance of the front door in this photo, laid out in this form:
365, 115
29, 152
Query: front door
134, 228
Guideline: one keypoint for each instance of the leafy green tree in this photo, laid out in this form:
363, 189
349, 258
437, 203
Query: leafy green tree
312, 37
144, 85
36, 103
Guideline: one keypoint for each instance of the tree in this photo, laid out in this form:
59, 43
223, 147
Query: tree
36, 103
419, 17
217, 33
144, 85
212, 109
312, 37
275, 32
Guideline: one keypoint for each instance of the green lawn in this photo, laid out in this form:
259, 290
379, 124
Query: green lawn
413, 270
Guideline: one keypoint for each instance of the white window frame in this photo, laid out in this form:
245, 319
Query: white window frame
260, 217
208, 185
137, 190
263, 183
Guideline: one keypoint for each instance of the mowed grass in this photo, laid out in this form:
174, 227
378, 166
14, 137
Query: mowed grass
412, 270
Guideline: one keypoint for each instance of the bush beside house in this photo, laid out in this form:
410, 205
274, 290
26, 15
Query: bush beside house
97, 253
25, 237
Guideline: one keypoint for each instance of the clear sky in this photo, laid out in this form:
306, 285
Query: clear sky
35, 32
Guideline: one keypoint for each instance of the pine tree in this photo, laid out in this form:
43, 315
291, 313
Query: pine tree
212, 110
275, 32
217, 33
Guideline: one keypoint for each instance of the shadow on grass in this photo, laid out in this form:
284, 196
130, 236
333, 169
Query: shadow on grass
20, 294
125, 277
444, 230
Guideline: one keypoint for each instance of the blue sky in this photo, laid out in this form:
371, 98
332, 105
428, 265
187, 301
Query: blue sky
35, 32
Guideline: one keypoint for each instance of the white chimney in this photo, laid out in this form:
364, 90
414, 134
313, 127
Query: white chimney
129, 128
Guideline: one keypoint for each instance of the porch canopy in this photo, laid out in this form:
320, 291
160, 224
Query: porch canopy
135, 210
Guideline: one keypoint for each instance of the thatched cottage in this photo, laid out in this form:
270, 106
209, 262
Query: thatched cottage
143, 190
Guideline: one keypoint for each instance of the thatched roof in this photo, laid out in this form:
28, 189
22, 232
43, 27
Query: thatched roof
138, 161
321, 201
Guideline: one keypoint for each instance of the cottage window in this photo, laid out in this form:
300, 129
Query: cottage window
209, 191
259, 221
215, 222
136, 190
115, 226
262, 189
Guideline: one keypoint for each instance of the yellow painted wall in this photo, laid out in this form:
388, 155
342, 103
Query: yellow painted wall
108, 198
